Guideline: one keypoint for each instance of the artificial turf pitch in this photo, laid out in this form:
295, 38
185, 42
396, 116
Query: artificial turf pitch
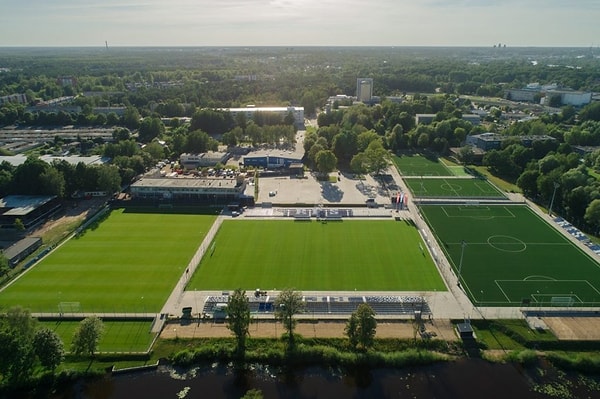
418, 165
452, 188
510, 256
129, 263
307, 255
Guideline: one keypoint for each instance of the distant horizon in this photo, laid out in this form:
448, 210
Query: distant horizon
103, 46
300, 23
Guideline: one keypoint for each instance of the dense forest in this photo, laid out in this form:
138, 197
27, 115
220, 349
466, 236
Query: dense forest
169, 100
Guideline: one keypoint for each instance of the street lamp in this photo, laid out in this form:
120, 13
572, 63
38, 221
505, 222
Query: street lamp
556, 185
463, 244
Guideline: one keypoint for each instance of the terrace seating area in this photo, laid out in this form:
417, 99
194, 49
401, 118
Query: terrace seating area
574, 231
336, 305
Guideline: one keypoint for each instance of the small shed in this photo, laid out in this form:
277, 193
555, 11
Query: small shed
296, 169
465, 331
21, 249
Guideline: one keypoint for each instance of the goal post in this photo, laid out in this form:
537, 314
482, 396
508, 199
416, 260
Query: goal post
69, 307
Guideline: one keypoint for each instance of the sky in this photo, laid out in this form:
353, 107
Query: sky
300, 23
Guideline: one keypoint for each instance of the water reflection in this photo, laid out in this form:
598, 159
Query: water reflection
467, 378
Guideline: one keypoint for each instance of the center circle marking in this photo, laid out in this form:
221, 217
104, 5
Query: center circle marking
506, 243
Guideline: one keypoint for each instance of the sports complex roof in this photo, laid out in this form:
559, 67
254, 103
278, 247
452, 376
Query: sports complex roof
21, 205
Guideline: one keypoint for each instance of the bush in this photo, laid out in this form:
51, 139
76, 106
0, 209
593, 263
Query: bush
525, 357
582, 362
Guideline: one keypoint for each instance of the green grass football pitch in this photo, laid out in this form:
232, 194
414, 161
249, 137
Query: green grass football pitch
335, 256
418, 165
454, 188
510, 255
129, 263
118, 336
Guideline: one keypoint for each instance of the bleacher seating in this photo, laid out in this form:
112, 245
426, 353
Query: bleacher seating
337, 305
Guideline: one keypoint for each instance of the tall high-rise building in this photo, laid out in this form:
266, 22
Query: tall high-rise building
364, 89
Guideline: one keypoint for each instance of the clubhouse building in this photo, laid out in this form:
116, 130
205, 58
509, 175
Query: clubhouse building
210, 191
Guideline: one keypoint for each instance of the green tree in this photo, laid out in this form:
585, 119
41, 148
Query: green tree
287, 305
309, 102
238, 319
156, 151
592, 215
528, 182
253, 394
49, 348
121, 134
423, 140
377, 156
197, 142
109, 179
87, 336
360, 163
19, 226
590, 112
131, 118
4, 265
361, 327
150, 128
52, 182
395, 138
17, 357
229, 138
326, 161
466, 154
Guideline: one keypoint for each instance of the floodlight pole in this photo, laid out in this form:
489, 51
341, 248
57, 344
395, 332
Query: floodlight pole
463, 244
556, 185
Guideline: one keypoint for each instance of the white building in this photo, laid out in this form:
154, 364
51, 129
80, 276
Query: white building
208, 190
211, 158
364, 89
571, 97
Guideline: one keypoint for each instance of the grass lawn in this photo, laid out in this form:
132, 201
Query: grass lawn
419, 165
498, 182
130, 262
510, 254
119, 336
456, 168
353, 254
454, 188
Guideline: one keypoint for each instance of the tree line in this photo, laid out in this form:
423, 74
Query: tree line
28, 349
360, 328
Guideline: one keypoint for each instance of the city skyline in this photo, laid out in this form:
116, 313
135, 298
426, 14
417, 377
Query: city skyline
484, 23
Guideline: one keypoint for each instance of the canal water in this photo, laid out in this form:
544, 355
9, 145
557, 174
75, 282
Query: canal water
465, 378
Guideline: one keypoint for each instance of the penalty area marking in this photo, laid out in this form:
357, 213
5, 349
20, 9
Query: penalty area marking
551, 282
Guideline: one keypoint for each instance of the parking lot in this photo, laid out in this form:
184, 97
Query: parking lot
342, 189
